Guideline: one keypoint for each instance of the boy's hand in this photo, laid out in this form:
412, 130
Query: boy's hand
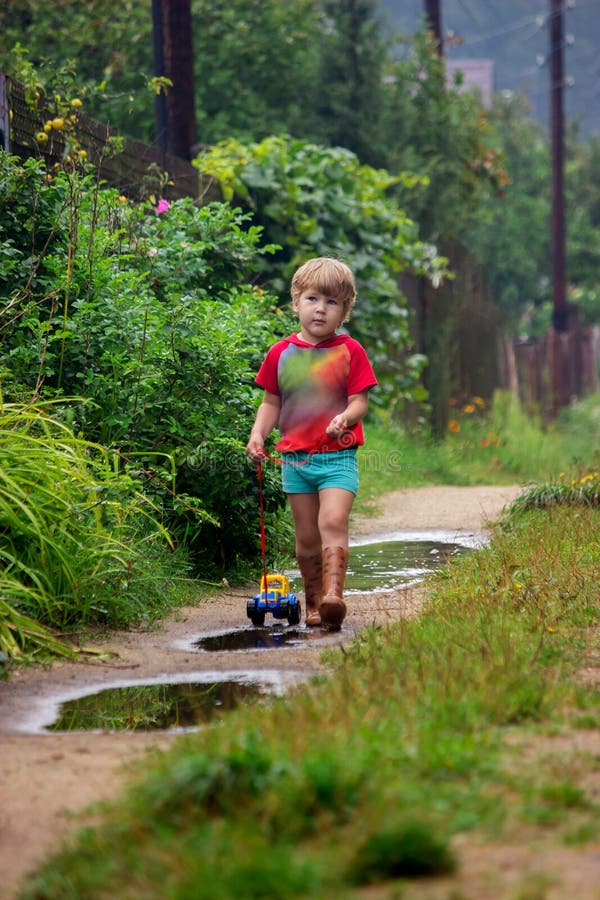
255, 449
337, 426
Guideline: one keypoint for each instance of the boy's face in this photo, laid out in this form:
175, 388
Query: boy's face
319, 315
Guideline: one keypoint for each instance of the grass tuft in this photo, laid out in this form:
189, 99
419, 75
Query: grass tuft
402, 849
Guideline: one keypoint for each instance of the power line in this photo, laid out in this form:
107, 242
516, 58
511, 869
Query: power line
537, 20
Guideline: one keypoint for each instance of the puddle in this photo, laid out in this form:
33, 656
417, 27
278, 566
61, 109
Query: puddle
399, 559
174, 703
153, 707
260, 638
390, 561
390, 564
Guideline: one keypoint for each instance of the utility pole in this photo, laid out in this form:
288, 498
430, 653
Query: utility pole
433, 11
560, 317
560, 314
433, 16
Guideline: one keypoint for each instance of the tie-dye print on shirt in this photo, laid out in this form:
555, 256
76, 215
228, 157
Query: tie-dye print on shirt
314, 383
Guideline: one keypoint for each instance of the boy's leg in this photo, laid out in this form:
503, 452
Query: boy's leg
335, 505
305, 512
334, 515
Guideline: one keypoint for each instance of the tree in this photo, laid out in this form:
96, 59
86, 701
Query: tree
511, 234
174, 61
352, 58
256, 67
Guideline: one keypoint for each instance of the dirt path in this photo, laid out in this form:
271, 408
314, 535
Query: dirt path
47, 779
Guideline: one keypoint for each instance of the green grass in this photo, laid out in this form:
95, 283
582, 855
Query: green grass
79, 544
369, 774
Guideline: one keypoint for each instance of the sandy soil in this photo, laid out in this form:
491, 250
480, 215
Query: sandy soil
48, 780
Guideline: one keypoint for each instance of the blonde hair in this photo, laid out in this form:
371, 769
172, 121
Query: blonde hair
328, 276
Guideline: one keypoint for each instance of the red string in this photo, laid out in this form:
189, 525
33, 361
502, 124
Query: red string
263, 540
261, 503
288, 462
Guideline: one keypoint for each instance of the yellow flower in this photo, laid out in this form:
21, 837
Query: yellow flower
58, 124
479, 401
76, 103
41, 137
468, 408
453, 426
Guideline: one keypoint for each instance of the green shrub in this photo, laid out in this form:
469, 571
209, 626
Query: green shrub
79, 544
152, 319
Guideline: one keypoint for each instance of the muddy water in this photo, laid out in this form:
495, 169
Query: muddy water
267, 638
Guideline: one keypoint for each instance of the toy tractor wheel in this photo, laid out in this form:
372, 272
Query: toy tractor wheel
294, 613
257, 618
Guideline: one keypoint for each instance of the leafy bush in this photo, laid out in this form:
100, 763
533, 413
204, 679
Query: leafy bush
148, 313
315, 201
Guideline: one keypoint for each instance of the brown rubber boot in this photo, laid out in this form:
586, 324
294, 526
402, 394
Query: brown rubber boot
311, 569
333, 608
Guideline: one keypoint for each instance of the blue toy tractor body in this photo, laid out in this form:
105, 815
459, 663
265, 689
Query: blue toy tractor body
275, 597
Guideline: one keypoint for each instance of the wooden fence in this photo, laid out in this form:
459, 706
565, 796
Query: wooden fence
549, 372
462, 332
136, 169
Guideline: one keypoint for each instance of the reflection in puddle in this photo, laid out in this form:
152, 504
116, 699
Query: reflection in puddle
391, 564
148, 707
259, 638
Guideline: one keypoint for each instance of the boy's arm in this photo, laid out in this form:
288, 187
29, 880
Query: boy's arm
357, 407
267, 417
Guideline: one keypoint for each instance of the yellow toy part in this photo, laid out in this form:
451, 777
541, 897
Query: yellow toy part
278, 585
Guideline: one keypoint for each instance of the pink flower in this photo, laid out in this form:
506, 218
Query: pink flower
162, 207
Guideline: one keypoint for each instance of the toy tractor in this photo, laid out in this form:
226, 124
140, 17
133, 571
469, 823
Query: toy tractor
276, 598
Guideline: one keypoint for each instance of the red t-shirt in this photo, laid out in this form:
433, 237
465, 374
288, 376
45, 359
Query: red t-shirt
314, 382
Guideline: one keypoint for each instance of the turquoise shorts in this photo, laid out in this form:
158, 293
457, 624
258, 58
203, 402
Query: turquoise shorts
306, 474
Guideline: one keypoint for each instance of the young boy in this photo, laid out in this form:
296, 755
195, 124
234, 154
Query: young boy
316, 385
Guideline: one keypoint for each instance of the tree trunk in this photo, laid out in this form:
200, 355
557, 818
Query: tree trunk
174, 54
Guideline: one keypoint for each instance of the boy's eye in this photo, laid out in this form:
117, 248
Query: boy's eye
332, 301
